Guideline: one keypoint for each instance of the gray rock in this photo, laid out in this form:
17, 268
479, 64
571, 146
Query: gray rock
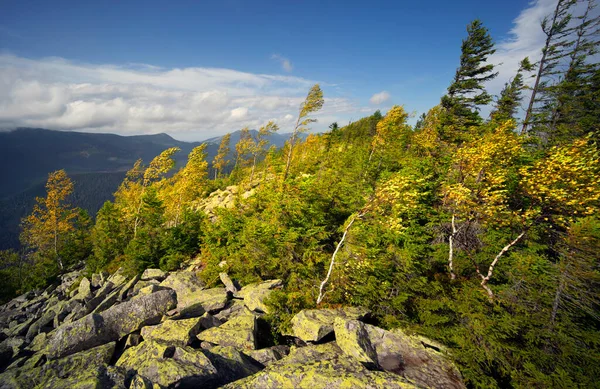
153, 274
352, 337
229, 285
174, 332
231, 364
239, 332
266, 356
187, 285
320, 366
408, 356
168, 366
312, 325
234, 308
112, 324
254, 295
46, 319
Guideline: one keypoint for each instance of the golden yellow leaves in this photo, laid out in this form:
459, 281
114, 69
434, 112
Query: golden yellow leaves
397, 198
567, 182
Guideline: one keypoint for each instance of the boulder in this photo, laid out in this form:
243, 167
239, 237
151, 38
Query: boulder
408, 355
153, 274
100, 295
82, 370
84, 291
110, 299
266, 356
118, 278
320, 366
142, 284
231, 364
239, 332
149, 290
234, 308
112, 324
168, 365
312, 325
46, 319
209, 321
254, 295
352, 337
186, 285
175, 332
229, 285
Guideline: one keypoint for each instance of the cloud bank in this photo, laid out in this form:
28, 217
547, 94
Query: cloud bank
188, 103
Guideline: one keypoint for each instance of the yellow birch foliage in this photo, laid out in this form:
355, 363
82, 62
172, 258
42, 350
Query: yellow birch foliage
566, 184
389, 129
477, 186
51, 218
220, 162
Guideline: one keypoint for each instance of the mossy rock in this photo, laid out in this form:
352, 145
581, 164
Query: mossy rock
254, 295
312, 325
408, 355
352, 337
153, 274
167, 365
319, 367
231, 363
176, 332
239, 332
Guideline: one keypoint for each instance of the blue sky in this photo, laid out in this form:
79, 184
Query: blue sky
199, 69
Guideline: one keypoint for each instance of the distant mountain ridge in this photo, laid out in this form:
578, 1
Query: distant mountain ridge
96, 162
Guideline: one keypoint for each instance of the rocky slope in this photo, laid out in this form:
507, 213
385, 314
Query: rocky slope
163, 330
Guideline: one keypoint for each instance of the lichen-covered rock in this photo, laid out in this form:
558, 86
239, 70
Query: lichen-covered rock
100, 296
153, 274
118, 278
110, 299
266, 356
46, 319
209, 321
408, 356
229, 285
187, 285
82, 370
168, 365
312, 325
352, 337
320, 367
233, 309
239, 332
231, 364
112, 324
85, 289
175, 332
254, 295
149, 290
142, 284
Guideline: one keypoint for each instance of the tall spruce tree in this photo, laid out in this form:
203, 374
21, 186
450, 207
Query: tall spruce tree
557, 31
570, 113
510, 98
467, 93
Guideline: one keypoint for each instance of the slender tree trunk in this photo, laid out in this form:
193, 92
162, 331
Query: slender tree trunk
451, 249
534, 91
485, 279
557, 296
332, 262
292, 142
253, 167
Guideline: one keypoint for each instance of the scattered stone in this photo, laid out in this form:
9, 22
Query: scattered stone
231, 364
239, 332
234, 309
406, 355
320, 366
254, 295
153, 274
175, 332
133, 340
149, 290
168, 365
229, 285
266, 356
352, 337
186, 285
142, 284
112, 324
312, 325
209, 321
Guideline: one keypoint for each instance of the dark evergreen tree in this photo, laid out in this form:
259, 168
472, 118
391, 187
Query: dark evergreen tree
108, 237
557, 31
510, 98
467, 92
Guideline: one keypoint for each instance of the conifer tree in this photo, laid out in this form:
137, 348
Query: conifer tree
258, 147
556, 28
510, 98
313, 103
467, 92
108, 237
220, 160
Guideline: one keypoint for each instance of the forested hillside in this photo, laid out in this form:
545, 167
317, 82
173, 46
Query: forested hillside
481, 233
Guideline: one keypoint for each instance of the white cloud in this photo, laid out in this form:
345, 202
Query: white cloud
525, 39
379, 98
189, 103
286, 64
